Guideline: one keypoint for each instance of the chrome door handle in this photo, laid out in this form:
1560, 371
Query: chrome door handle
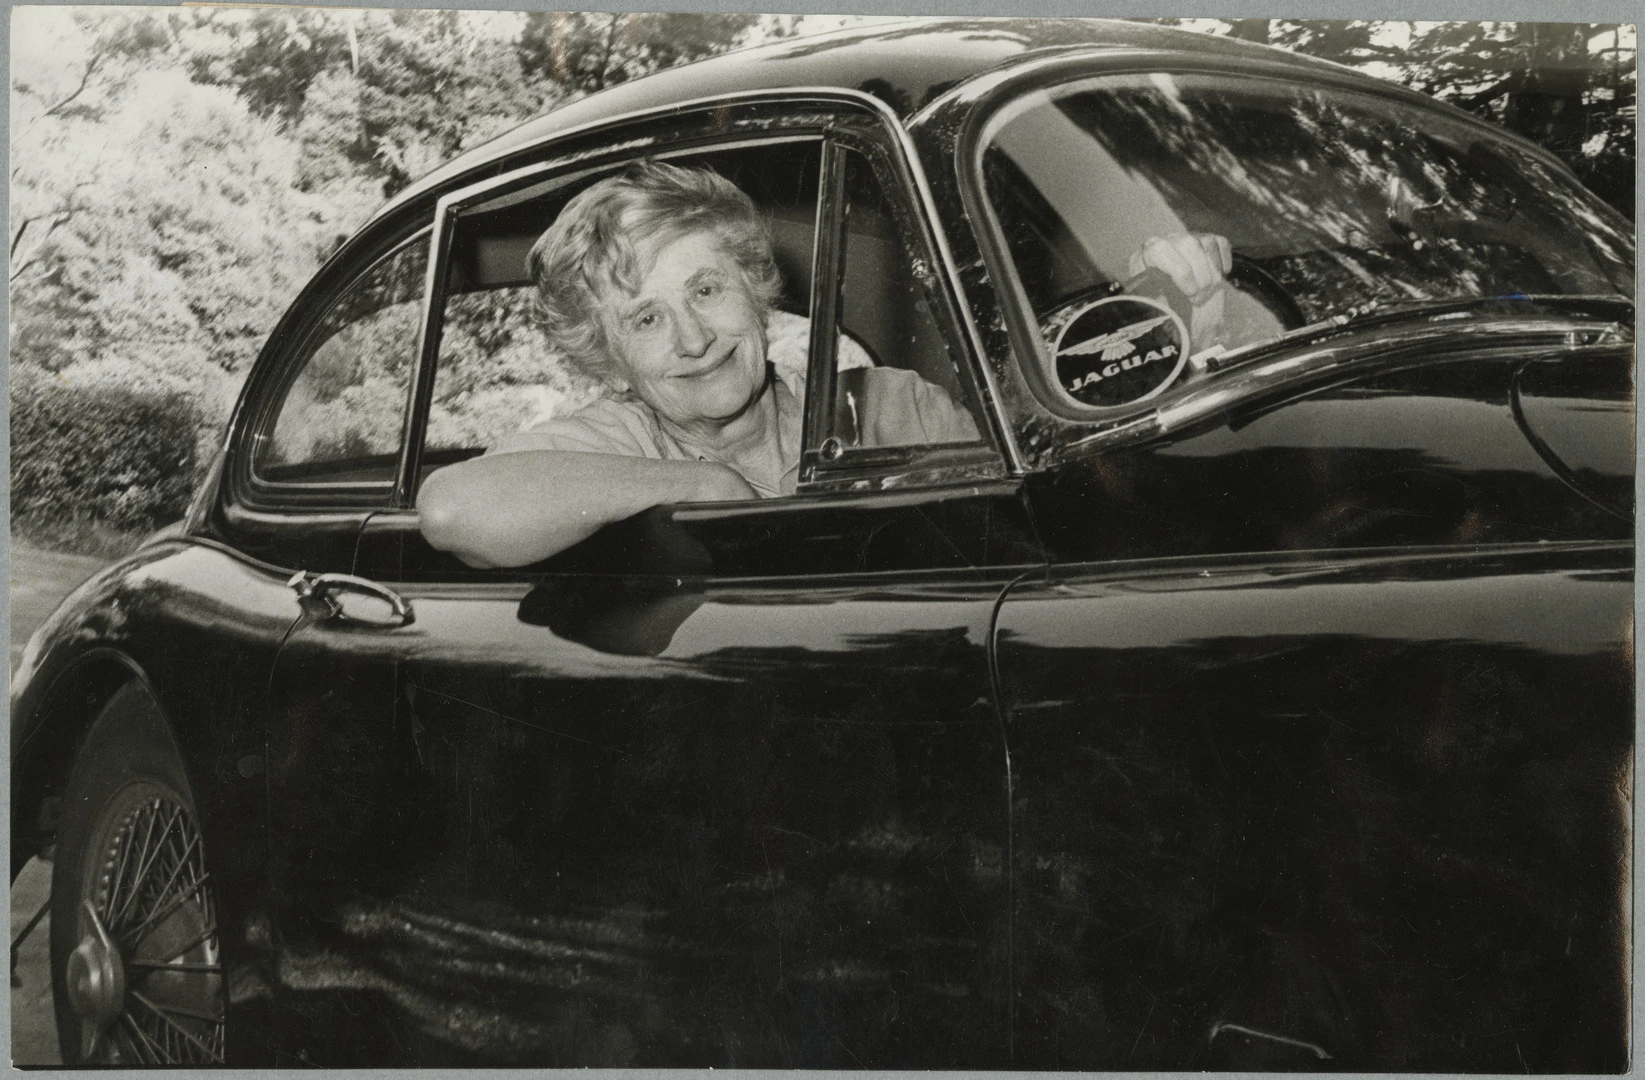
317, 590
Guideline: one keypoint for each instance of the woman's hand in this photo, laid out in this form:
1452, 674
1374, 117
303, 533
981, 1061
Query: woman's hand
1197, 264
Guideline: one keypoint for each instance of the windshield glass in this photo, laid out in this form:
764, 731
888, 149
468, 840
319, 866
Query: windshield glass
1331, 202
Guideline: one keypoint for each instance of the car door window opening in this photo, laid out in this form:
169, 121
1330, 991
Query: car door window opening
495, 375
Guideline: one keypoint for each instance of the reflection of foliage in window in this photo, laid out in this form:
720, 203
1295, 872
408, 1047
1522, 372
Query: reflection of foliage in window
496, 371
349, 399
1308, 174
398, 279
1340, 199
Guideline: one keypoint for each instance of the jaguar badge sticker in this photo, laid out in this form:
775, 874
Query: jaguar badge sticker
1120, 350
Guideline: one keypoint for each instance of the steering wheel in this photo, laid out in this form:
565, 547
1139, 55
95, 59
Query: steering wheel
1252, 281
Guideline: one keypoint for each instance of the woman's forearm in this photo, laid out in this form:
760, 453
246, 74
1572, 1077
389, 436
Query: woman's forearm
519, 508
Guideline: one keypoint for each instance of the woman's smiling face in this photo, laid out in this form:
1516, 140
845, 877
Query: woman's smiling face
690, 342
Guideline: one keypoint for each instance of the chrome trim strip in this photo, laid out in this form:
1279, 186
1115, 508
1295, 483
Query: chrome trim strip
460, 199
826, 286
1391, 346
428, 346
737, 97
1241, 383
1294, 563
336, 487
473, 191
995, 404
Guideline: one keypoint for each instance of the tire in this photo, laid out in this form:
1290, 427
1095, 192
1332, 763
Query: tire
151, 990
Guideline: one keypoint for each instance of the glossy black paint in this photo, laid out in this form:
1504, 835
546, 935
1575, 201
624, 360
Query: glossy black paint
1374, 803
1580, 418
1294, 723
1332, 796
747, 783
200, 628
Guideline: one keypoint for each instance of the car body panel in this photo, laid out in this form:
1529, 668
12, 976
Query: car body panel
1424, 454
199, 628
155, 614
1410, 710
1376, 804
1580, 418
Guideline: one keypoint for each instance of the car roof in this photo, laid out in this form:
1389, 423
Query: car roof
906, 64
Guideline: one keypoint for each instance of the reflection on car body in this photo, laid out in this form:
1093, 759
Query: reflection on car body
1266, 704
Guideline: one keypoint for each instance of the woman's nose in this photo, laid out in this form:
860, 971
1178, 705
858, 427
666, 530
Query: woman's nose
692, 336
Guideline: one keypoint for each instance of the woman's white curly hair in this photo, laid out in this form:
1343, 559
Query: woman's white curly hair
593, 246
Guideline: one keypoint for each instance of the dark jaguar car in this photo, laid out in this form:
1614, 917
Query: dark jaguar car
1254, 692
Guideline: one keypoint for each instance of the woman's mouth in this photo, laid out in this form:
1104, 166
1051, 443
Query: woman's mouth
707, 369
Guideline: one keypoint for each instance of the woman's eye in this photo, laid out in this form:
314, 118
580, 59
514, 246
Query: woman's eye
710, 289
646, 321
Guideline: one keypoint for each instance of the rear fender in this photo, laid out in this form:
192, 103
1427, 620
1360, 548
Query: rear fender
53, 725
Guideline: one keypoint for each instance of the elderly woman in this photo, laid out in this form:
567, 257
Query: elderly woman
660, 282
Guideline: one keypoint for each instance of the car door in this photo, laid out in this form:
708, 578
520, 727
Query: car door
722, 785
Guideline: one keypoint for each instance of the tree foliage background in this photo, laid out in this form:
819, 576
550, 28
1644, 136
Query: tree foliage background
176, 175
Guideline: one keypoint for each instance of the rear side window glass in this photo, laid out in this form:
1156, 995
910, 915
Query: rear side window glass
342, 415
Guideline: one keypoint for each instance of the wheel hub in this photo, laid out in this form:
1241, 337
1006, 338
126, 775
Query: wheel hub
97, 975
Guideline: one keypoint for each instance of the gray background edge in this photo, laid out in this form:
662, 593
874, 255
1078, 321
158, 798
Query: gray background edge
1620, 11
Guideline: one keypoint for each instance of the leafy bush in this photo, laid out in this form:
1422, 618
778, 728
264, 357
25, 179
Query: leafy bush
110, 454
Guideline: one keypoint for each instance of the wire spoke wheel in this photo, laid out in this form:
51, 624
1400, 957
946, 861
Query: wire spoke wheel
137, 965
152, 917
